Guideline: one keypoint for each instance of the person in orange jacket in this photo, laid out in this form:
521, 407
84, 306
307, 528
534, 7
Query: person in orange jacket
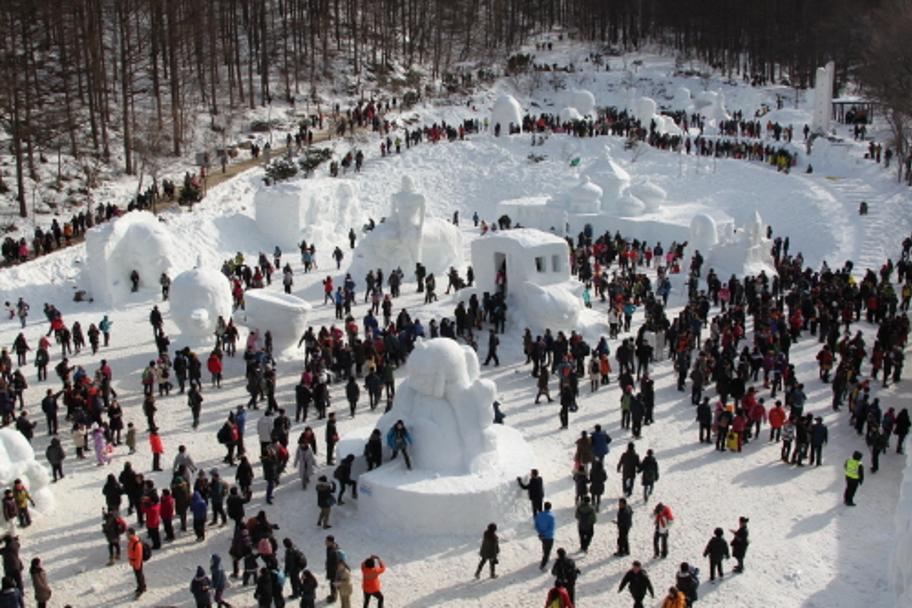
674, 599
558, 598
155, 443
135, 555
371, 569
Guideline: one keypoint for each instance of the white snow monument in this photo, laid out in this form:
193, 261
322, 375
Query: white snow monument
198, 298
464, 467
823, 99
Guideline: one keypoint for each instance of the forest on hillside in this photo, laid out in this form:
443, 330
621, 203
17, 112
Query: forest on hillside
83, 76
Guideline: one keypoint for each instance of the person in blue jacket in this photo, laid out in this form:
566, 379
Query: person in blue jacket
398, 439
600, 440
544, 525
200, 510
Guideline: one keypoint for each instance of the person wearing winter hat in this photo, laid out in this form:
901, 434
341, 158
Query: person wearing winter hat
201, 588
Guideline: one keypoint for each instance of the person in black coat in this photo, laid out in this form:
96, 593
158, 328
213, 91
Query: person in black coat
739, 543
373, 450
624, 522
716, 550
638, 582
818, 439
705, 417
535, 489
627, 466
264, 590
686, 582
565, 572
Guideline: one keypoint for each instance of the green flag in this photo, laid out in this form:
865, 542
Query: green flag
575, 162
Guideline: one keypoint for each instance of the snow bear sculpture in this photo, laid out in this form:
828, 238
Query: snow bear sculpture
198, 298
447, 408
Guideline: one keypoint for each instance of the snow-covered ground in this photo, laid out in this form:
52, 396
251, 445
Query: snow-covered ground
806, 550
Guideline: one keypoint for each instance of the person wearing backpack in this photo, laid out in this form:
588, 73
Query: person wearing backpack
113, 526
565, 572
295, 562
278, 585
687, 580
201, 587
137, 551
343, 585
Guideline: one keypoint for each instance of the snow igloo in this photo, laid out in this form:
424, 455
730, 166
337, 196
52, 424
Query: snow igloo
407, 236
464, 467
506, 111
17, 461
135, 241
198, 298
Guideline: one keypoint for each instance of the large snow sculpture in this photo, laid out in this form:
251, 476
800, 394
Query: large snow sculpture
652, 195
823, 99
585, 197
611, 178
629, 205
407, 236
569, 114
506, 112
583, 101
537, 281
309, 209
711, 105
17, 461
282, 314
645, 110
746, 251
463, 466
135, 241
703, 232
198, 298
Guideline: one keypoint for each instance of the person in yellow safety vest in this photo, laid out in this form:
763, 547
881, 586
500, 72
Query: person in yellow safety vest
854, 474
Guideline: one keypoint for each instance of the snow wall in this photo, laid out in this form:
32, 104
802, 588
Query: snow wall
901, 564
316, 210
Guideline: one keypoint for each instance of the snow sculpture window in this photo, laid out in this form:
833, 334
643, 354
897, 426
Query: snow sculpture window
540, 264
556, 263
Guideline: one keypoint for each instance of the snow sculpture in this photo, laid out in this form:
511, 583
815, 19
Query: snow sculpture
611, 178
583, 101
653, 196
506, 111
310, 209
711, 105
682, 99
198, 298
135, 241
17, 461
746, 251
585, 197
283, 314
645, 110
703, 232
463, 466
407, 236
630, 206
569, 115
901, 562
536, 265
823, 99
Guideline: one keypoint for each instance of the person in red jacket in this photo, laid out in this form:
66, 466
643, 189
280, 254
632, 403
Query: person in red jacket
155, 443
135, 555
558, 598
371, 569
214, 365
757, 415
167, 513
776, 421
151, 507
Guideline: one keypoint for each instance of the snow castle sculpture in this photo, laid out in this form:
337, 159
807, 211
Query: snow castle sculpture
463, 465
